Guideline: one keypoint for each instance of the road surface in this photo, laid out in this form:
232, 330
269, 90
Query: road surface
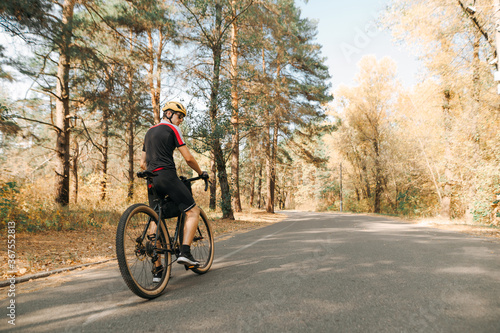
313, 272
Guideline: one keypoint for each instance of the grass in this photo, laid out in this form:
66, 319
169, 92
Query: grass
50, 239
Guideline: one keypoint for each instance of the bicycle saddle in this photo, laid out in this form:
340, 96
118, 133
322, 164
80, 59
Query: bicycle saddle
146, 174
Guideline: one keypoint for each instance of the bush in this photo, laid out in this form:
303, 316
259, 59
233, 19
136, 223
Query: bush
8, 202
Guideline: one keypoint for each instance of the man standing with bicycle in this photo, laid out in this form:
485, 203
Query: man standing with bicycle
157, 156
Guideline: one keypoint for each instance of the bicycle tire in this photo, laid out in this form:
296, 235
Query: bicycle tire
202, 247
135, 257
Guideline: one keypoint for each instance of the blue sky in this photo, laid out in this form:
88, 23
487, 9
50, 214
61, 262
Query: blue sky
347, 31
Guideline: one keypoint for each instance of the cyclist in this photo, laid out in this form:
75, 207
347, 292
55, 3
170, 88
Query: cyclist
157, 156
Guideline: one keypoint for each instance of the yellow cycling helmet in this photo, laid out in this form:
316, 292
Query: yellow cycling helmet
175, 107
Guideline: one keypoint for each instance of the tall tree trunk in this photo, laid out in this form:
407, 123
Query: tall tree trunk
227, 211
252, 190
271, 194
130, 129
378, 177
365, 179
268, 149
105, 148
446, 202
74, 171
155, 76
253, 176
474, 130
213, 185
62, 168
235, 152
130, 144
105, 133
269, 167
259, 187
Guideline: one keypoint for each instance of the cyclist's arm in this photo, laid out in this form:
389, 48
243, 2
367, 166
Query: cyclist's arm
143, 164
190, 160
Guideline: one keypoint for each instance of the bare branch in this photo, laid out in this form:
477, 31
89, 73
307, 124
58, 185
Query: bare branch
98, 147
207, 36
479, 27
39, 122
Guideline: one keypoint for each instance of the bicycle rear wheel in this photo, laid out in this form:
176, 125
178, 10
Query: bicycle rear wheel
135, 251
202, 247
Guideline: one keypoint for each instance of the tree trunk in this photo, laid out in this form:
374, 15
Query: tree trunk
213, 185
253, 171
130, 129
235, 153
62, 168
365, 179
105, 147
130, 144
105, 134
74, 171
378, 178
269, 170
474, 130
268, 153
155, 76
446, 202
252, 190
259, 187
227, 211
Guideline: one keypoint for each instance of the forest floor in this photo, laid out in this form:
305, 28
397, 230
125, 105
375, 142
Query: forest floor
460, 226
52, 250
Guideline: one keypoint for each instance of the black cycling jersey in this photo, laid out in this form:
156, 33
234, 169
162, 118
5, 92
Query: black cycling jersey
159, 145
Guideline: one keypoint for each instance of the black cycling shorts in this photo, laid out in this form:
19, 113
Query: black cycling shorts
167, 183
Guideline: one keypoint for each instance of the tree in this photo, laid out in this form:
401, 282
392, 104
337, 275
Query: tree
212, 21
56, 33
234, 77
289, 85
366, 125
456, 47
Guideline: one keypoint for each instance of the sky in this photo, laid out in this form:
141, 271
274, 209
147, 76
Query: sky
347, 31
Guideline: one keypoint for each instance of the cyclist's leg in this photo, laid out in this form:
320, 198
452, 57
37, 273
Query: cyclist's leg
152, 227
167, 183
190, 224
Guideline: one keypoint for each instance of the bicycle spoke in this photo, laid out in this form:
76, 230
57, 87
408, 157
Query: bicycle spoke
202, 246
136, 253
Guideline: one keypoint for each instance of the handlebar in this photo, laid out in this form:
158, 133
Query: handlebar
198, 178
148, 175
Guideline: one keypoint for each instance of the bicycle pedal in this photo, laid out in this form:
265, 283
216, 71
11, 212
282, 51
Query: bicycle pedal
190, 266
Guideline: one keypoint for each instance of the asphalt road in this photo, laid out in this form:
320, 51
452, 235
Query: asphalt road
310, 273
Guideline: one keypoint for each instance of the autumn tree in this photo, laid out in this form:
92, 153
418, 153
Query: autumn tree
288, 83
211, 22
366, 126
456, 46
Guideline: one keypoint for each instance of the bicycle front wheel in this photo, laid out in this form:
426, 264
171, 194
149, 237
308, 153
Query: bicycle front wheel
202, 247
137, 250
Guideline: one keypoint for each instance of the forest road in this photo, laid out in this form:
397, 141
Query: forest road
313, 272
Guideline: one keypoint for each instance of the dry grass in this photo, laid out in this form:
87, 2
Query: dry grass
461, 226
54, 249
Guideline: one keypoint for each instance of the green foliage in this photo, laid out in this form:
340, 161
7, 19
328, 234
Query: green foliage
8, 202
37, 216
409, 202
7, 125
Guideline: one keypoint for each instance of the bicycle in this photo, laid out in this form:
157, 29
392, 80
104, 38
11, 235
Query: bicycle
143, 237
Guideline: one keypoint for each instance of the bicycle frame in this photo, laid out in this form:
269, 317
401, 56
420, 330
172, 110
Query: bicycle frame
172, 241
145, 246
158, 209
